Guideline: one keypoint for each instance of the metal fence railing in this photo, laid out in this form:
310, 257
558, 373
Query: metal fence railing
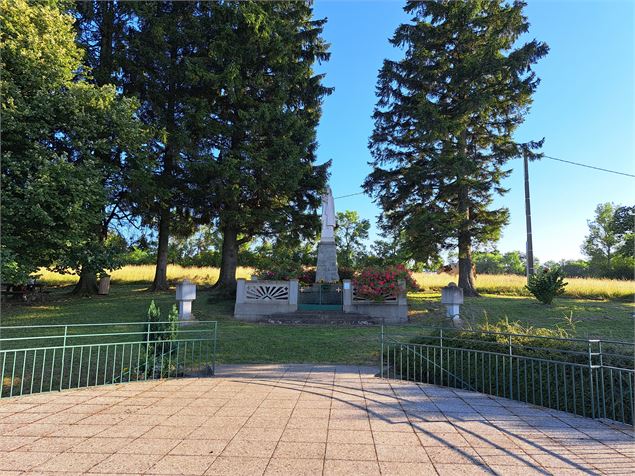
36, 359
593, 378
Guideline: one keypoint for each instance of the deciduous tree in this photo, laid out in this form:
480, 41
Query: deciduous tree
350, 234
56, 128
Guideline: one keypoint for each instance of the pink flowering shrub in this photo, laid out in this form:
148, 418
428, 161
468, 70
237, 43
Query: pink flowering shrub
377, 284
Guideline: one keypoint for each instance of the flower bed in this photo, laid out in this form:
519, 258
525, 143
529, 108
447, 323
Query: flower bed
379, 284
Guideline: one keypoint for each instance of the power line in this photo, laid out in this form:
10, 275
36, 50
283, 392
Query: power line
589, 166
349, 195
544, 156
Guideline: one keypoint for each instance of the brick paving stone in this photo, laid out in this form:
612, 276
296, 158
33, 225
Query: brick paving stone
170, 432
406, 454
52, 444
126, 464
149, 446
454, 455
100, 444
306, 435
295, 466
9, 443
347, 468
259, 434
85, 431
457, 469
34, 429
300, 450
177, 464
19, 461
237, 466
74, 462
199, 447
350, 436
350, 451
390, 468
252, 449
395, 438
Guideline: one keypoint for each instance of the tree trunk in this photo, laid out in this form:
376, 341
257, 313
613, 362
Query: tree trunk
466, 273
160, 282
87, 284
226, 283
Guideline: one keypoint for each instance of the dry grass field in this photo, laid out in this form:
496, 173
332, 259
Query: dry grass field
145, 274
511, 285
514, 285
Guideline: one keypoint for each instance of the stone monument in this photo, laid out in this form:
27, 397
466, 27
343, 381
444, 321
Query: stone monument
326, 271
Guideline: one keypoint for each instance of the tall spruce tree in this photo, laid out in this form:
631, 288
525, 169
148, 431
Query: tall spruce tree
157, 68
444, 124
254, 166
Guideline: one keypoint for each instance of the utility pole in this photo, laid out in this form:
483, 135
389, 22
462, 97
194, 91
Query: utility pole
530, 246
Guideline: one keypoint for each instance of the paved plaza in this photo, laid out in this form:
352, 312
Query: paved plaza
299, 420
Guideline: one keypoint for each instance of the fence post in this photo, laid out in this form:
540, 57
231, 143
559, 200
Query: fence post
145, 369
603, 406
511, 365
441, 351
63, 356
214, 349
591, 381
381, 357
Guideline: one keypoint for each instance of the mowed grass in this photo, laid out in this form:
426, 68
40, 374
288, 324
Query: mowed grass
499, 284
240, 342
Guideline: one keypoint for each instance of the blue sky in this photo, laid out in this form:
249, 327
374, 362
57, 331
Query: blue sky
583, 108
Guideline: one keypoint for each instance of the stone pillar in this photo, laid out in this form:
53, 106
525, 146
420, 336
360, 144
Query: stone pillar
452, 297
185, 294
402, 297
240, 290
347, 296
294, 289
326, 270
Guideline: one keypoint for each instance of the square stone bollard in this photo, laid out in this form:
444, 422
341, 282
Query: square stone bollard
452, 297
185, 294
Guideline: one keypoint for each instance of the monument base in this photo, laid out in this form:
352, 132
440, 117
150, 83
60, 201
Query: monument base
326, 271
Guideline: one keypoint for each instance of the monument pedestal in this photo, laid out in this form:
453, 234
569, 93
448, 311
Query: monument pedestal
326, 270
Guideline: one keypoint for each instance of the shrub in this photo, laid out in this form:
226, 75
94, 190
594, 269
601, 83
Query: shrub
154, 317
282, 271
345, 272
378, 284
546, 284
307, 277
173, 323
161, 347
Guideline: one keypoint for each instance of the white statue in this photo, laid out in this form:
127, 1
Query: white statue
328, 216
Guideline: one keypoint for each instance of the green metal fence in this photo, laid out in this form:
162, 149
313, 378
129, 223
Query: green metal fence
593, 378
37, 359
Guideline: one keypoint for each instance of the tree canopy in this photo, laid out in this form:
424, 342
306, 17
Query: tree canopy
57, 129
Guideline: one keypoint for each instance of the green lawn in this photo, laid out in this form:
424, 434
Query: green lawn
244, 342
592, 317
